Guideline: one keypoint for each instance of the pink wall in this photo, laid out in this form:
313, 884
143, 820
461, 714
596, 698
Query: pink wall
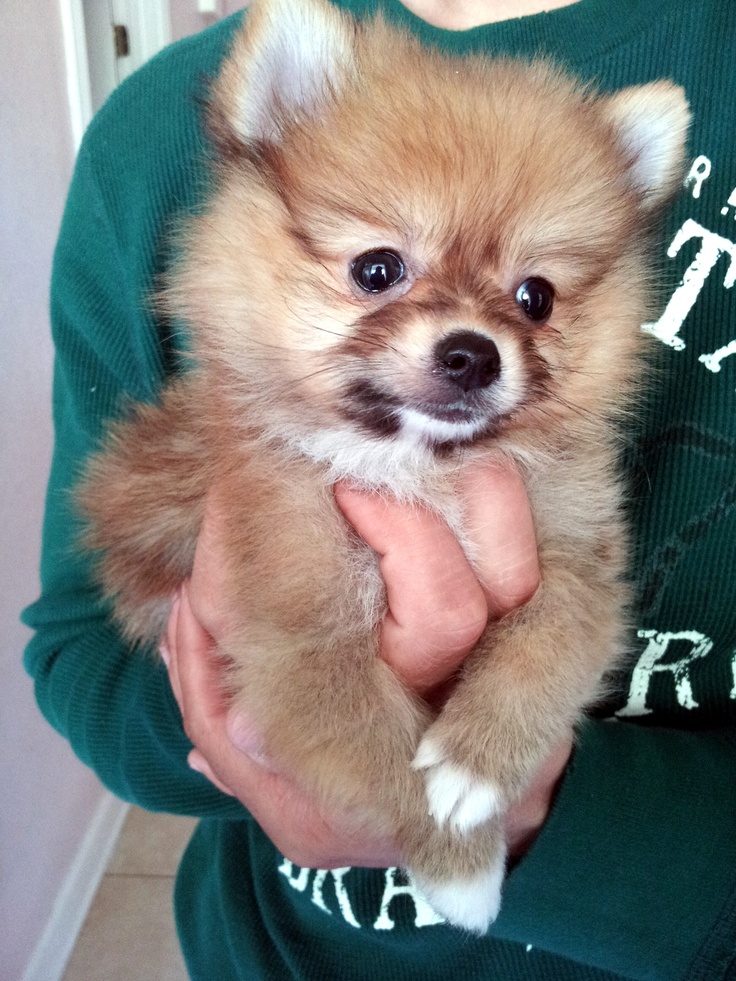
47, 796
186, 20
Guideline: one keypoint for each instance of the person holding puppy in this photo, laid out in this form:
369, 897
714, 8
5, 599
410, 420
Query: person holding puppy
623, 853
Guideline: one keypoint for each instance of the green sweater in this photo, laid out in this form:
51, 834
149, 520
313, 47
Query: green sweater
634, 873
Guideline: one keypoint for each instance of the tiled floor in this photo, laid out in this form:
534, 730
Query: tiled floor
129, 933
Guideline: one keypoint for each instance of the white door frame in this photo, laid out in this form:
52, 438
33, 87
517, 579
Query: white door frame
151, 19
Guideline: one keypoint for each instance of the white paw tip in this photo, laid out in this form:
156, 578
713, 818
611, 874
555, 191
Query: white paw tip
472, 904
480, 803
428, 754
454, 794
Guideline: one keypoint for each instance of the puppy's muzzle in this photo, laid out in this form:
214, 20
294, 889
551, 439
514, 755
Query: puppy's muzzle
467, 359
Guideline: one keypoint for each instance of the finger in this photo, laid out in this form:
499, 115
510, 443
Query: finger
208, 582
524, 819
306, 834
169, 649
246, 737
229, 753
437, 610
197, 762
300, 829
499, 523
225, 744
199, 671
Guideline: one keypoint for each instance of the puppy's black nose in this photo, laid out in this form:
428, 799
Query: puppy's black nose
469, 359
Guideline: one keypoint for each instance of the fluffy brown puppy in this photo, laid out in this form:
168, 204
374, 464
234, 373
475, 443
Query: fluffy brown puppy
408, 262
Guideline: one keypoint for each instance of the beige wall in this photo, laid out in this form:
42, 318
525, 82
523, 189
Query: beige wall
48, 798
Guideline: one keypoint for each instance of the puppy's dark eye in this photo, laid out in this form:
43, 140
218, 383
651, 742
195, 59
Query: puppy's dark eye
536, 298
377, 271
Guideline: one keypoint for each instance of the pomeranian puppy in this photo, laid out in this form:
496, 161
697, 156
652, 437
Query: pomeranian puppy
408, 263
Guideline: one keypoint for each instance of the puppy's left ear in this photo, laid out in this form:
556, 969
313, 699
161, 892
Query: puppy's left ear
650, 123
288, 59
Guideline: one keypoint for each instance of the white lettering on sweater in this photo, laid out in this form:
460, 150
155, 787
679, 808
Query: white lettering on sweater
652, 662
713, 361
395, 885
712, 248
731, 203
424, 915
699, 173
300, 880
341, 893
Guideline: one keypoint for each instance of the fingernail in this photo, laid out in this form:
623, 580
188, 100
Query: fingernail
163, 646
245, 737
163, 649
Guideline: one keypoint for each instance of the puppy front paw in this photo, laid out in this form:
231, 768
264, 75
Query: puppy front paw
455, 795
471, 903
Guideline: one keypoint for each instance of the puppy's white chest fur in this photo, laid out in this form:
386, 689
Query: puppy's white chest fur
401, 465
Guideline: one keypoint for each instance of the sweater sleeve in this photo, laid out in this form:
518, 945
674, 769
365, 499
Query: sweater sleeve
635, 870
114, 705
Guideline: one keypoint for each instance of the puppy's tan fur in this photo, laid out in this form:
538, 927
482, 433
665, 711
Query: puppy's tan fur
336, 139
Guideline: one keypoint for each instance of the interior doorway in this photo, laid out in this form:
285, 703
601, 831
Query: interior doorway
105, 41
121, 35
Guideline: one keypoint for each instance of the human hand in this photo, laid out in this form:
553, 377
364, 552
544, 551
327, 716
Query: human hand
228, 753
438, 607
433, 624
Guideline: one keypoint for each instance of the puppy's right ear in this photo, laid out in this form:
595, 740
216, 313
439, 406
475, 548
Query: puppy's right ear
289, 57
